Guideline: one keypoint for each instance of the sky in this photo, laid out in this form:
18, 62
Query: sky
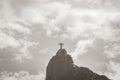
30, 31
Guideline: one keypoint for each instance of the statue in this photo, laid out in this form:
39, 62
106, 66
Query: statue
61, 44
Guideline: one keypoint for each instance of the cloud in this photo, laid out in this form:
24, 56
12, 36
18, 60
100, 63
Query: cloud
14, 32
60, 19
44, 51
63, 20
81, 23
22, 75
112, 51
7, 41
112, 48
24, 52
33, 15
113, 70
81, 47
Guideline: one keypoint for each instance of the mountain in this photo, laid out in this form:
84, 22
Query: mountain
61, 67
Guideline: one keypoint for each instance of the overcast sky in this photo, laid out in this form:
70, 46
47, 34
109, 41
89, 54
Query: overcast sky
30, 31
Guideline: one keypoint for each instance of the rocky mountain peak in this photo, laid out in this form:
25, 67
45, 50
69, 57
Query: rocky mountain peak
61, 52
61, 67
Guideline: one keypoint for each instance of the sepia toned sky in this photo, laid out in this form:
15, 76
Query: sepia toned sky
30, 31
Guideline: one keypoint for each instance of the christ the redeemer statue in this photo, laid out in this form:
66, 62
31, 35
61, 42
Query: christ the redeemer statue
61, 44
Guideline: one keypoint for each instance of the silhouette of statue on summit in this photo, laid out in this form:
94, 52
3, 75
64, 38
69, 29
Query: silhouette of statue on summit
61, 44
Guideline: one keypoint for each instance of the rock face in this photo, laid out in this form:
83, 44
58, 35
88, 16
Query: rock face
61, 67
